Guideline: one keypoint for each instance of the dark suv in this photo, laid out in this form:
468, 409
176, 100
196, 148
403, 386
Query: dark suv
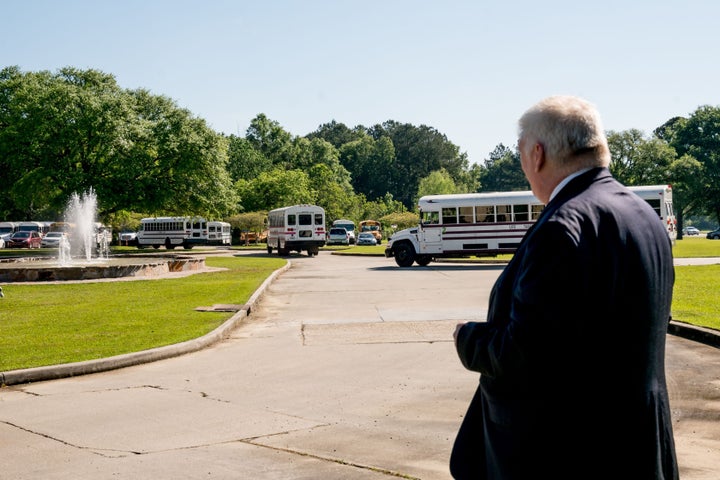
714, 235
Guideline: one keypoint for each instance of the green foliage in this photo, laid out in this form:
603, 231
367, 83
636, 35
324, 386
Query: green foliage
400, 221
245, 162
69, 131
502, 171
699, 137
274, 189
437, 183
75, 130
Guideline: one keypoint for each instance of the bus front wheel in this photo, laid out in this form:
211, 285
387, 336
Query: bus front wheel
404, 255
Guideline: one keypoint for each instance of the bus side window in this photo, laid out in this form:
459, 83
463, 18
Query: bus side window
504, 213
536, 210
655, 204
520, 213
466, 214
449, 215
485, 214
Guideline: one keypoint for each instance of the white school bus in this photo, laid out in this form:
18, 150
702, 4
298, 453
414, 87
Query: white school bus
488, 224
172, 232
219, 233
461, 225
296, 228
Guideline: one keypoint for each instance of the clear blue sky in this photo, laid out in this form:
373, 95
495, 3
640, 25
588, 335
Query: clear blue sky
467, 68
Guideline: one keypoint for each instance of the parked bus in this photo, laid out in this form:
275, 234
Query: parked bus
7, 229
348, 225
460, 225
372, 226
296, 228
660, 199
41, 227
172, 232
488, 224
219, 233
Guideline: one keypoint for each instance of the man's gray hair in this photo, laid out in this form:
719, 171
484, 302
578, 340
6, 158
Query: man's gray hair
568, 128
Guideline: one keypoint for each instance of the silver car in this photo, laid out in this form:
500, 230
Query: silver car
338, 236
366, 238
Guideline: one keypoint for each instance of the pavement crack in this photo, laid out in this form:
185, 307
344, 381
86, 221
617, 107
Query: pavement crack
339, 461
63, 442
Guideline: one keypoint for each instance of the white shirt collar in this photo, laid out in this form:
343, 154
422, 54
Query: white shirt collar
566, 180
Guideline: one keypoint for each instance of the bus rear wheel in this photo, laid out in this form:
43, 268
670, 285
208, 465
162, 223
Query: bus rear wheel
404, 255
423, 260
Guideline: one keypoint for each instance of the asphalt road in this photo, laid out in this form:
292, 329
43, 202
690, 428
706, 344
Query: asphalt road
345, 369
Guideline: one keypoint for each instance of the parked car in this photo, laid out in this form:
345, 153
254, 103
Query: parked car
52, 239
338, 236
128, 237
714, 235
24, 239
691, 231
366, 238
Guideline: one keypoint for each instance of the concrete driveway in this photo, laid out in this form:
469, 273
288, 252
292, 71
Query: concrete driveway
344, 370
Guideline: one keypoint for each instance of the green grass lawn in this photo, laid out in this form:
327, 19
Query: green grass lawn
60, 323
696, 297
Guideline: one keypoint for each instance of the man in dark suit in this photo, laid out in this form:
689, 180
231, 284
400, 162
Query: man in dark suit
572, 356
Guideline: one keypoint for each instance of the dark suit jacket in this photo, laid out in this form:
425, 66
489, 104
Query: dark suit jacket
571, 357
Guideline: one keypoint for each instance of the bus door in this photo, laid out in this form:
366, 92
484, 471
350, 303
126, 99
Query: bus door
430, 233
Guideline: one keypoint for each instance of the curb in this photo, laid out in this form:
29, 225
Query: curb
704, 335
54, 372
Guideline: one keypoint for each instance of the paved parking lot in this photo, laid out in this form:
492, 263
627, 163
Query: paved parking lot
344, 370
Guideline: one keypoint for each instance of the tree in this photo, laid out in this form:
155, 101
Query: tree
438, 182
370, 163
502, 172
418, 151
636, 160
250, 222
270, 139
244, 160
274, 189
337, 134
400, 220
699, 137
68, 132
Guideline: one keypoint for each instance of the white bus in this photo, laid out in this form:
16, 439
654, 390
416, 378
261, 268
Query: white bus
41, 227
219, 233
488, 224
660, 199
461, 225
348, 225
172, 232
296, 228
7, 229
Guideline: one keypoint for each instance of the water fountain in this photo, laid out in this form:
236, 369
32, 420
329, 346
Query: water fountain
85, 253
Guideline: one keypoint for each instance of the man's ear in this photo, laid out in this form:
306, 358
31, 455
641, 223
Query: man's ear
538, 157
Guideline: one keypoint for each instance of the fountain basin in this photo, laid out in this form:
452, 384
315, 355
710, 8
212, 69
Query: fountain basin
48, 270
